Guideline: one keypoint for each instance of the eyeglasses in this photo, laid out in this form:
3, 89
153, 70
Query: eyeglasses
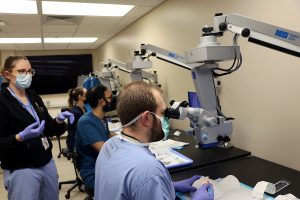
24, 72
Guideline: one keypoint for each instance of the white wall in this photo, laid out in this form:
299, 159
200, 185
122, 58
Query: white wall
263, 95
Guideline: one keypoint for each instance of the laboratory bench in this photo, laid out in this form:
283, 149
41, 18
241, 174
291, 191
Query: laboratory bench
249, 170
204, 157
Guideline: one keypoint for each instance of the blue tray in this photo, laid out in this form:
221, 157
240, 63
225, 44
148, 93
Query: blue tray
188, 161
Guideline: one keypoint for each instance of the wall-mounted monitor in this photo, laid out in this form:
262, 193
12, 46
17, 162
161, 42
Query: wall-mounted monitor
58, 73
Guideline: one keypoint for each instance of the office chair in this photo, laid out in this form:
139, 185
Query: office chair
77, 182
90, 194
70, 155
58, 137
59, 146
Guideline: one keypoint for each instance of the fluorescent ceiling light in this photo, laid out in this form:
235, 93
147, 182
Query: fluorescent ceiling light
18, 7
19, 40
85, 9
71, 40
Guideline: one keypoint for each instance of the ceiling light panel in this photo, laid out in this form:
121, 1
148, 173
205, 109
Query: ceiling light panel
18, 7
19, 40
70, 40
84, 9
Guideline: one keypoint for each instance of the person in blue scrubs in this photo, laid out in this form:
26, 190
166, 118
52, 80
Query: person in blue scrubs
92, 131
125, 167
25, 130
76, 99
90, 82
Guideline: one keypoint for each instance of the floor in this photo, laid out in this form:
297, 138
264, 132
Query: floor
65, 171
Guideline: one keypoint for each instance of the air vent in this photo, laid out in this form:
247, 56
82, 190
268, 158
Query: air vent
61, 20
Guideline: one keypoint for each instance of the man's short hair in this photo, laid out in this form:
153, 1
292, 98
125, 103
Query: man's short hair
134, 99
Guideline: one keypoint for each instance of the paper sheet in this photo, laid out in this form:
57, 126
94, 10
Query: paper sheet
167, 144
170, 158
115, 127
286, 197
228, 188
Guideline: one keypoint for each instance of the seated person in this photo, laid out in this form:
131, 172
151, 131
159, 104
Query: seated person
92, 131
76, 106
126, 168
90, 82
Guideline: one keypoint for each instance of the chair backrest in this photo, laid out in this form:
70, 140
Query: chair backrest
65, 109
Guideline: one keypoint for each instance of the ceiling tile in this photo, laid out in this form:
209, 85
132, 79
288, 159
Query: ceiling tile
58, 34
59, 28
138, 12
3, 35
86, 34
21, 29
97, 44
126, 21
8, 47
79, 46
55, 46
123, 2
21, 34
20, 19
97, 24
30, 46
152, 3
85, 1
117, 28
102, 27
99, 21
105, 36
123, 23
94, 29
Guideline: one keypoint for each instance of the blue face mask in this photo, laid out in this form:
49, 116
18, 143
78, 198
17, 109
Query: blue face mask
165, 125
23, 82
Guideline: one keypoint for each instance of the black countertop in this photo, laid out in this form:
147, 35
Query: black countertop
249, 170
205, 157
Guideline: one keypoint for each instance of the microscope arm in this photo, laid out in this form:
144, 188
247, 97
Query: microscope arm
274, 37
165, 55
134, 68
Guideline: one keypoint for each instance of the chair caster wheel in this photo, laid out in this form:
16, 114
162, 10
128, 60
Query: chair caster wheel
67, 196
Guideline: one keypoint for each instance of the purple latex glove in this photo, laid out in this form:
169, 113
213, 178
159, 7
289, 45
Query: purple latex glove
205, 192
186, 185
62, 116
32, 131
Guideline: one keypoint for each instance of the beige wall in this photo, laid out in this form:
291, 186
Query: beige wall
4, 55
263, 95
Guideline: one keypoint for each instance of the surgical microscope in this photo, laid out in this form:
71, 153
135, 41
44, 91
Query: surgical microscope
210, 126
109, 78
136, 68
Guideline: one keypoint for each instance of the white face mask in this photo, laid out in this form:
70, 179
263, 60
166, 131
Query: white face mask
23, 82
132, 121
